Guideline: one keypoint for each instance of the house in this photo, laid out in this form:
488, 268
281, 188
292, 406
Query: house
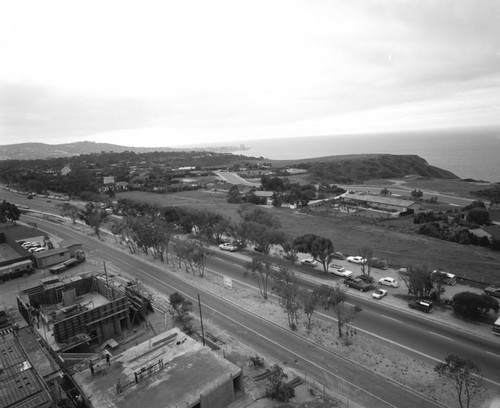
267, 195
386, 204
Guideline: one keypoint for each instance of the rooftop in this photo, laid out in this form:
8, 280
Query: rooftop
171, 369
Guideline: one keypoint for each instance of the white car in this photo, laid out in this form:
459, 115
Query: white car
340, 272
379, 293
309, 262
356, 259
388, 282
228, 247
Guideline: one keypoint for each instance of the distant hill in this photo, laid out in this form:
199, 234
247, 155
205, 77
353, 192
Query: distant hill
361, 167
33, 151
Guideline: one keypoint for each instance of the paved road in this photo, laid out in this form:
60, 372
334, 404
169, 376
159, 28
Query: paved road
407, 329
233, 178
361, 385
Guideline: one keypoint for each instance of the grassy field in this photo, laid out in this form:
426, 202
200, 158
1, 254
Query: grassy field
394, 240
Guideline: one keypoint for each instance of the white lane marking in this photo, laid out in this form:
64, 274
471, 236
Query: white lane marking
440, 335
493, 354
392, 318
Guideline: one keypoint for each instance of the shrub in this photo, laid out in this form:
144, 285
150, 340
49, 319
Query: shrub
474, 306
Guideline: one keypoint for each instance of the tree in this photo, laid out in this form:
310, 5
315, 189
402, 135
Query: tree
417, 194
475, 306
478, 215
256, 214
320, 248
93, 217
181, 309
366, 253
233, 195
263, 236
336, 298
69, 210
418, 280
463, 375
385, 192
310, 302
276, 387
286, 286
261, 267
9, 212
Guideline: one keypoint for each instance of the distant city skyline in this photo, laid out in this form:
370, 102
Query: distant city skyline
168, 74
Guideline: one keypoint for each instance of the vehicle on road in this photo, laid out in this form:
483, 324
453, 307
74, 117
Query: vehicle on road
387, 281
379, 293
422, 305
227, 246
496, 327
445, 277
340, 271
357, 284
492, 291
356, 259
309, 262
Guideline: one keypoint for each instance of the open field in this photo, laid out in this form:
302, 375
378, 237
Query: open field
457, 188
398, 243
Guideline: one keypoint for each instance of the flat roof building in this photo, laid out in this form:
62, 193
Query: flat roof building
169, 370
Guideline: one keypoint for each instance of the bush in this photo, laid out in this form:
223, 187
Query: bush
474, 306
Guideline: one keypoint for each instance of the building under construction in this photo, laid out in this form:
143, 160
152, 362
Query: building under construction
80, 312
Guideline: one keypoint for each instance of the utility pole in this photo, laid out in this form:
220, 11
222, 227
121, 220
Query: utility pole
201, 320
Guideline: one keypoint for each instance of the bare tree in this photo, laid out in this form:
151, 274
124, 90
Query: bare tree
464, 376
261, 268
366, 252
336, 298
286, 286
310, 302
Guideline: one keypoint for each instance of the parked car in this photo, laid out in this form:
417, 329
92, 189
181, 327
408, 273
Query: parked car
387, 281
309, 262
422, 305
37, 250
379, 293
340, 271
338, 255
492, 291
228, 247
357, 284
444, 277
356, 259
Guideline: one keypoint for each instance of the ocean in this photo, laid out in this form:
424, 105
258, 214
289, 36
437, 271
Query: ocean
468, 153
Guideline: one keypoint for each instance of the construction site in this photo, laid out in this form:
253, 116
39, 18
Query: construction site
81, 312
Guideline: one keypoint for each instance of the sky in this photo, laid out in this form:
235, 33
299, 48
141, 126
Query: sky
173, 73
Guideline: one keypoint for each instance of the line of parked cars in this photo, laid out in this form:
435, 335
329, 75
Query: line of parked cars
33, 247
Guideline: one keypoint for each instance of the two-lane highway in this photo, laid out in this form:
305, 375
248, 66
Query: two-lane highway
410, 330
265, 337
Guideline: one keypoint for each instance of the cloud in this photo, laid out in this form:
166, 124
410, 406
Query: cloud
93, 68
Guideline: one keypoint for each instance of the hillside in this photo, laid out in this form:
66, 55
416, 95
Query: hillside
33, 151
358, 168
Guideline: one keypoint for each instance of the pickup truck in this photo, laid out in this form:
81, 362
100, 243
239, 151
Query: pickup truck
422, 305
